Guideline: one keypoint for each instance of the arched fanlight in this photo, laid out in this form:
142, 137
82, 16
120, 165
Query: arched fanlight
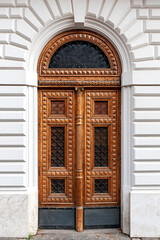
79, 54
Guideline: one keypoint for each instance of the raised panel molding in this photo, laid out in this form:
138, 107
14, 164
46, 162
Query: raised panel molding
48, 172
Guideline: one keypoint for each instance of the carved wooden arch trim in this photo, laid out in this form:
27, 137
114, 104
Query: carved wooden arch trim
66, 76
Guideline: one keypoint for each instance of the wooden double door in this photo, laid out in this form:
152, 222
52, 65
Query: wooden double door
79, 157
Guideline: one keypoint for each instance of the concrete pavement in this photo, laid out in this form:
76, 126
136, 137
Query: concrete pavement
99, 234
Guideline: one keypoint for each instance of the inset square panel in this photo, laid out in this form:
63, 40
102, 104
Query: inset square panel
57, 107
57, 186
101, 107
101, 185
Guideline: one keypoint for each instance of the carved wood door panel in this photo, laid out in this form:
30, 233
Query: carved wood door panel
57, 156
102, 176
79, 158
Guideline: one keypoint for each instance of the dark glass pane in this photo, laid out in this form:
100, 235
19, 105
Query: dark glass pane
79, 54
101, 185
101, 107
100, 146
57, 146
57, 186
57, 107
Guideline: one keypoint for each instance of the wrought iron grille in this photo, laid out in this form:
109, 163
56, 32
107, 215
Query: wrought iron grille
57, 186
79, 54
101, 107
101, 185
57, 107
57, 146
100, 146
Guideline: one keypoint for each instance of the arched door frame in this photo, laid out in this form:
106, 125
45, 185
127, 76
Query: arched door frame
126, 78
102, 77
80, 78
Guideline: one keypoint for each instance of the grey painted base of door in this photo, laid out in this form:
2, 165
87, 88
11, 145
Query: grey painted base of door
65, 218
102, 217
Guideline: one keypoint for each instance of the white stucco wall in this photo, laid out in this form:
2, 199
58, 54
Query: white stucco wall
133, 27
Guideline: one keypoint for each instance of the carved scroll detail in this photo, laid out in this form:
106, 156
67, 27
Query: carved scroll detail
113, 82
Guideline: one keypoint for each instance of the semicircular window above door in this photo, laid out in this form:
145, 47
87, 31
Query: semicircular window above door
79, 54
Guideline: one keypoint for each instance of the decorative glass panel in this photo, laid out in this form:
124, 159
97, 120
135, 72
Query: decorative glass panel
101, 185
79, 54
100, 146
57, 146
57, 107
101, 107
57, 186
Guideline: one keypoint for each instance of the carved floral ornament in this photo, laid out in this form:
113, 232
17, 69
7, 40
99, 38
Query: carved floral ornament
84, 76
